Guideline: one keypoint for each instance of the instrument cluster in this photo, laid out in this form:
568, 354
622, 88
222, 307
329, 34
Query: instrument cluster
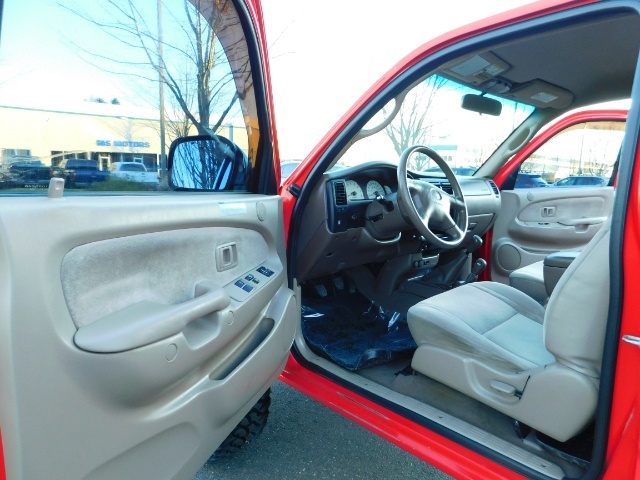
362, 190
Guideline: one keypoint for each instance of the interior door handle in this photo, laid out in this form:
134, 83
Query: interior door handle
148, 322
572, 222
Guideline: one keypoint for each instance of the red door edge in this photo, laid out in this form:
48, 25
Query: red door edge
3, 473
444, 454
624, 430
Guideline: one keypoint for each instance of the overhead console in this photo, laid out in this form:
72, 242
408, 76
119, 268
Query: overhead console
476, 69
487, 72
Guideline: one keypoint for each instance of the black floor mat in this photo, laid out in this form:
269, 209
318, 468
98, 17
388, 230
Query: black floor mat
354, 334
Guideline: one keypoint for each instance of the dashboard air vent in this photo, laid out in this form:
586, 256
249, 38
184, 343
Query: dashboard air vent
494, 187
340, 193
444, 186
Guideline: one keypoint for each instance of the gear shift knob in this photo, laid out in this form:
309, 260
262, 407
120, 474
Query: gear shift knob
478, 266
476, 269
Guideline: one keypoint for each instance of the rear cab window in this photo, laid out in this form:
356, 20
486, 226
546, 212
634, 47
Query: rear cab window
92, 85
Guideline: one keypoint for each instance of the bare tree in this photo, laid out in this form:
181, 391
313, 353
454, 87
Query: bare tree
412, 125
597, 162
205, 80
193, 67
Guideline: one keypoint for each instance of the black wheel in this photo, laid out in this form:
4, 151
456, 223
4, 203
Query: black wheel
249, 428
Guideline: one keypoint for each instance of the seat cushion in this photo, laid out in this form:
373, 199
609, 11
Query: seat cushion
494, 322
530, 280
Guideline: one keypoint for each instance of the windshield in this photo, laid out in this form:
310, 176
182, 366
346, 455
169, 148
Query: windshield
431, 115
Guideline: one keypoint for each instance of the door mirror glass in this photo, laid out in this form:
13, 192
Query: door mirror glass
207, 163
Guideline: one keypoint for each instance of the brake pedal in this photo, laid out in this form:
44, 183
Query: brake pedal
321, 290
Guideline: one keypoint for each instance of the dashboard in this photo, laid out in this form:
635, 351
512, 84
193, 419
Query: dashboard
338, 225
349, 196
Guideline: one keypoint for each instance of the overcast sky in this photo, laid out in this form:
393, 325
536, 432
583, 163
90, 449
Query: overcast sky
325, 54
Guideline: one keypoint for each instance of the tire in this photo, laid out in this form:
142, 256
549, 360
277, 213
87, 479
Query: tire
249, 428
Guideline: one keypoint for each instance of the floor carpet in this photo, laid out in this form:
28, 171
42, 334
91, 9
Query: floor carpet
355, 333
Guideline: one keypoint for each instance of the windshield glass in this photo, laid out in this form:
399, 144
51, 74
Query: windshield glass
431, 115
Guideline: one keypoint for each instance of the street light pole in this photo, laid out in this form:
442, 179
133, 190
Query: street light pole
163, 155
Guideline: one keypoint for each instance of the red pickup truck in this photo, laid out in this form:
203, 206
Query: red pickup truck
139, 330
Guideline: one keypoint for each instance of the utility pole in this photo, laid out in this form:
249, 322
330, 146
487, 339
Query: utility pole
163, 155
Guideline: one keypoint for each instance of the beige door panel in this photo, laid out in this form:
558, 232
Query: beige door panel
535, 222
128, 346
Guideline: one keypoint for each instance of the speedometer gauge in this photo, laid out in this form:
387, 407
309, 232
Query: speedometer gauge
374, 189
354, 191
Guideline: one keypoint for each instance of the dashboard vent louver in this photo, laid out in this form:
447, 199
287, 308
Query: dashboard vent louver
444, 186
340, 193
494, 187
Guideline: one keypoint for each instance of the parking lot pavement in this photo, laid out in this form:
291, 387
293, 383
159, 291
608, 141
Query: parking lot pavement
305, 439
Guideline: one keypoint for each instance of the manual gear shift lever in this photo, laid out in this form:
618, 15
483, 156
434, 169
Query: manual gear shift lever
476, 269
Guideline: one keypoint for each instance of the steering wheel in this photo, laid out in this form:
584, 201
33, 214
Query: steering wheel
428, 207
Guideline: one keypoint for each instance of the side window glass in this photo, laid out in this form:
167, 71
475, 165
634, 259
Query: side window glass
582, 155
92, 89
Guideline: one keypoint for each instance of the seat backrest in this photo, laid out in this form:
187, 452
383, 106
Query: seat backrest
576, 316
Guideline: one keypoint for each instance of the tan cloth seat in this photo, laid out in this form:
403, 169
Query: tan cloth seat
499, 346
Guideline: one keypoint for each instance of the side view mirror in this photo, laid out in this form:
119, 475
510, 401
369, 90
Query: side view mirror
480, 104
207, 163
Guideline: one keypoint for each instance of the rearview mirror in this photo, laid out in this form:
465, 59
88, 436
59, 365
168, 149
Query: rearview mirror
480, 104
207, 163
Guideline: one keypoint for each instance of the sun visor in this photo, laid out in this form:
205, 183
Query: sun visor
476, 69
541, 94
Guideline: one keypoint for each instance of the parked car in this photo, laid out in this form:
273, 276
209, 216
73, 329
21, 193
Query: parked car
159, 322
530, 180
134, 172
26, 174
582, 181
80, 172
286, 168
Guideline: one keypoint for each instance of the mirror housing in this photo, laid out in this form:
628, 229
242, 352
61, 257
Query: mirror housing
481, 104
207, 163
